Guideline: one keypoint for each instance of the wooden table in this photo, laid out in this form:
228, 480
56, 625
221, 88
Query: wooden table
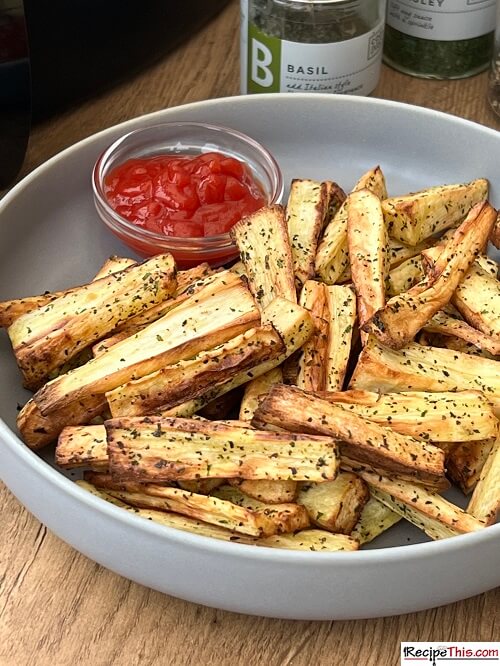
59, 608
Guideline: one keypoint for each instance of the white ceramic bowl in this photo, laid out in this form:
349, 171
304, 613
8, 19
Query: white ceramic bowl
50, 238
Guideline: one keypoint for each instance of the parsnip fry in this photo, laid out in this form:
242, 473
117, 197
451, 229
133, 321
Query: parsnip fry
461, 416
162, 449
446, 325
37, 430
255, 390
405, 276
335, 505
332, 257
485, 500
375, 519
188, 379
465, 462
269, 492
414, 217
477, 298
313, 540
306, 214
13, 309
341, 307
367, 242
419, 368
213, 315
361, 439
82, 446
437, 517
404, 315
264, 245
48, 337
312, 368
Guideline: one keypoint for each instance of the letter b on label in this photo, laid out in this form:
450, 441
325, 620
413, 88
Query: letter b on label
264, 62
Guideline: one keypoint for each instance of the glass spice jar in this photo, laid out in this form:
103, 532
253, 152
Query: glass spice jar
494, 79
328, 46
439, 39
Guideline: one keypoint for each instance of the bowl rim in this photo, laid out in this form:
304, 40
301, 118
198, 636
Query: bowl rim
375, 556
145, 234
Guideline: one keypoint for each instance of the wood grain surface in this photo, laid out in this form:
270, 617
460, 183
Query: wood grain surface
56, 606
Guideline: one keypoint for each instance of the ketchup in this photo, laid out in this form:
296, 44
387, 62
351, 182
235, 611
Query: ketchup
183, 195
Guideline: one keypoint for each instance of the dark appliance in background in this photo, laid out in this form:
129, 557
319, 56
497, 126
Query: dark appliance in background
74, 49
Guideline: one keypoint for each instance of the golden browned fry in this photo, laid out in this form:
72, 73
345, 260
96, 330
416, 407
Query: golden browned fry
437, 517
419, 368
461, 416
465, 462
312, 367
238, 268
202, 486
361, 439
163, 449
210, 317
265, 250
48, 337
477, 298
367, 242
11, 310
405, 314
174, 520
414, 217
306, 214
332, 257
455, 343
485, 500
375, 519
188, 379
405, 276
341, 308
82, 446
269, 492
37, 430
335, 505
446, 325
256, 389
311, 540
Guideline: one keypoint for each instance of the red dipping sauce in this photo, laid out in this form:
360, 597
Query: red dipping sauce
182, 195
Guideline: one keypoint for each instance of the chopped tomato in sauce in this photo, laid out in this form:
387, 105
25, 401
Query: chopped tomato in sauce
184, 195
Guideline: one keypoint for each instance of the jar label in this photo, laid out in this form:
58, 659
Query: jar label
270, 64
443, 20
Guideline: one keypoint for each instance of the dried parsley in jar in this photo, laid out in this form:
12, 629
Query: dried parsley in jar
439, 39
328, 46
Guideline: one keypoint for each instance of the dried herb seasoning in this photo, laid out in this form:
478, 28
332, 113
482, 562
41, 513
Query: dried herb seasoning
438, 59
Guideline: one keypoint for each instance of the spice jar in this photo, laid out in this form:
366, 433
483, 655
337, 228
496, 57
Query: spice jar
328, 46
439, 39
494, 79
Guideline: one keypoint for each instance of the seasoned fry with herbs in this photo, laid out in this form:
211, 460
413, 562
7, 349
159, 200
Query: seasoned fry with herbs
375, 519
332, 257
269, 492
82, 446
414, 217
313, 540
461, 416
405, 314
477, 298
255, 391
306, 214
485, 500
367, 241
465, 462
335, 505
212, 316
360, 439
446, 325
405, 276
419, 368
162, 449
312, 369
264, 245
437, 517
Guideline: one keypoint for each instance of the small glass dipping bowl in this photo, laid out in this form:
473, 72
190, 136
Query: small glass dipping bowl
182, 138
